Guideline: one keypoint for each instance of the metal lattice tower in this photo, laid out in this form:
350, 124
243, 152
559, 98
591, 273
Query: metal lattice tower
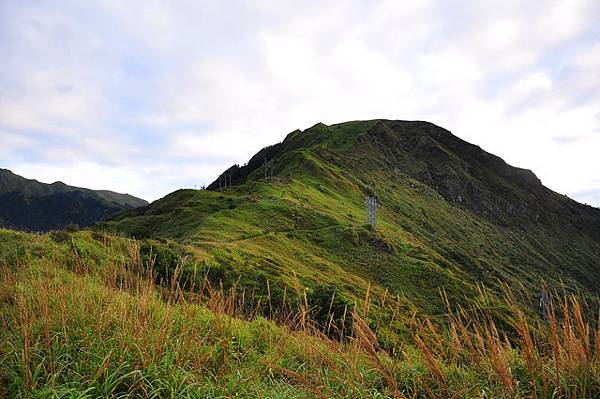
372, 206
545, 304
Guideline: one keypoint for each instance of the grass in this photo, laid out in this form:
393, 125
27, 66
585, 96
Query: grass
277, 288
86, 317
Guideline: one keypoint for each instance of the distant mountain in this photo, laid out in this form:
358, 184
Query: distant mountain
30, 205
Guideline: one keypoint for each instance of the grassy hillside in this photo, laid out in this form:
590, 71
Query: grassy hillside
273, 285
452, 216
82, 317
30, 205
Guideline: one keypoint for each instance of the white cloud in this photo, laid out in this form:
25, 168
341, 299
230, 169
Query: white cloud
50, 101
11, 143
111, 89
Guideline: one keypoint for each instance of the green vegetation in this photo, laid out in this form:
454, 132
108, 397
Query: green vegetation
276, 287
82, 317
452, 216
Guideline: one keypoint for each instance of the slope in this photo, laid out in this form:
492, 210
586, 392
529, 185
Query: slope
451, 216
81, 318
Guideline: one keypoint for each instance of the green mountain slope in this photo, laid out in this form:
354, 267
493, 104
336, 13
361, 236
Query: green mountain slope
451, 216
81, 317
30, 205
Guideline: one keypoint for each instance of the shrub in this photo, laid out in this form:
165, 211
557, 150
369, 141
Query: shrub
163, 259
71, 228
332, 311
60, 236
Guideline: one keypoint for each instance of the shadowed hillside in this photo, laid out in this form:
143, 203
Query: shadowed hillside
30, 205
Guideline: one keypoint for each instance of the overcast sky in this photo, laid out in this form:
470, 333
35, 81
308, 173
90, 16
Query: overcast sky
146, 97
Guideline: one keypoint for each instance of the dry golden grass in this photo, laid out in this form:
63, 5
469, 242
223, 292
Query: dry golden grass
121, 333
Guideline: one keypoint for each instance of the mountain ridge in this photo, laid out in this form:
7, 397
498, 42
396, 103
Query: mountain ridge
27, 204
421, 143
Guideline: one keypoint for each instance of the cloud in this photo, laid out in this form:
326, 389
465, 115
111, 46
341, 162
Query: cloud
149, 96
589, 197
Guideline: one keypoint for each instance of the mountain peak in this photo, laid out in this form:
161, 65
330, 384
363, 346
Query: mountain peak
462, 173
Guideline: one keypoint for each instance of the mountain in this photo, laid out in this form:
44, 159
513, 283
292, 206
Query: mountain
30, 205
271, 283
451, 216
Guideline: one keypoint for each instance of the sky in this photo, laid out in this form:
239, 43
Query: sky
146, 97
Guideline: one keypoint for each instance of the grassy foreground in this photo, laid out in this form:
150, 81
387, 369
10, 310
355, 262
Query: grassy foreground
79, 325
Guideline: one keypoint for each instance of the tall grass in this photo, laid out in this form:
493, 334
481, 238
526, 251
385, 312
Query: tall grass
71, 330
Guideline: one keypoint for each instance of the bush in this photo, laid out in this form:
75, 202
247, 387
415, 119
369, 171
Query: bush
71, 228
163, 258
332, 311
60, 236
